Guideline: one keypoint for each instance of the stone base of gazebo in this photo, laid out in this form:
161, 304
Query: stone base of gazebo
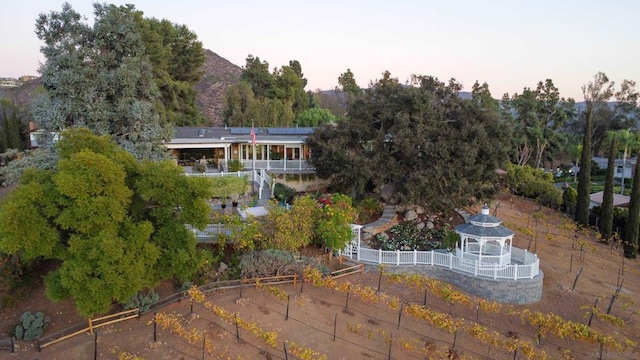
520, 292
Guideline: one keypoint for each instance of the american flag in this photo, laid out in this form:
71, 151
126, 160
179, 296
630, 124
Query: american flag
253, 137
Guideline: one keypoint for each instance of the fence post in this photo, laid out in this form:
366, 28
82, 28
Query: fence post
335, 325
286, 317
450, 261
475, 268
90, 327
204, 343
13, 345
95, 345
397, 257
415, 257
237, 329
286, 355
379, 256
295, 278
515, 272
495, 271
400, 315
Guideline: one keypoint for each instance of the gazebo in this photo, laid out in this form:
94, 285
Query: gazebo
484, 239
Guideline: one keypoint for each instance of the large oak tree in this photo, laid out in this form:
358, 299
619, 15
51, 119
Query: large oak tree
423, 142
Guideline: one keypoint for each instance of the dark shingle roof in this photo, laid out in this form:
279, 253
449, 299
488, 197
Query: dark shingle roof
484, 231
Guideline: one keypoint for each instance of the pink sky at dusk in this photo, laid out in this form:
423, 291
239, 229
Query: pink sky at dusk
508, 44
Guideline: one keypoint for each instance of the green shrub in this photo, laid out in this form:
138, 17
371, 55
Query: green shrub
199, 167
283, 193
31, 326
369, 209
235, 165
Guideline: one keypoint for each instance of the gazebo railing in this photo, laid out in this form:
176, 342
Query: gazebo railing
528, 269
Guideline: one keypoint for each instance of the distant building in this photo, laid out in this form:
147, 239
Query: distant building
626, 167
8, 82
618, 200
26, 78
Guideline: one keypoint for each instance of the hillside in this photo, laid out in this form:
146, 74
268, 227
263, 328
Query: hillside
218, 74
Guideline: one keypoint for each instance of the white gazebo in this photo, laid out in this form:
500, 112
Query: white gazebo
484, 239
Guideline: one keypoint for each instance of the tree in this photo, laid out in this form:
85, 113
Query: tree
116, 225
177, 57
333, 225
633, 219
606, 209
422, 142
626, 139
348, 86
538, 115
315, 117
13, 134
595, 94
100, 77
290, 229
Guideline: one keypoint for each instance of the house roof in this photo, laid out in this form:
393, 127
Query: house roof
618, 200
226, 135
483, 231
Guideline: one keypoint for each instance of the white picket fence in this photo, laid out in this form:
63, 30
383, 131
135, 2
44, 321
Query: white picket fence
525, 265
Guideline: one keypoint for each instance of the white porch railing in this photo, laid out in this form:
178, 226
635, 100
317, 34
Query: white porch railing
529, 268
218, 174
284, 165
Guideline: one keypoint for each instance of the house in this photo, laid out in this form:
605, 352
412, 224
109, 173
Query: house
623, 166
618, 200
270, 148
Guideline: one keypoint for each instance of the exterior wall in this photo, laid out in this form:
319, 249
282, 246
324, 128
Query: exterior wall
523, 291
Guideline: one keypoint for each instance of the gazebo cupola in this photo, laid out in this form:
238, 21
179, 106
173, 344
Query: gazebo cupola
484, 239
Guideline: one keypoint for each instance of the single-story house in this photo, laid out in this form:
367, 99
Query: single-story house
271, 148
618, 200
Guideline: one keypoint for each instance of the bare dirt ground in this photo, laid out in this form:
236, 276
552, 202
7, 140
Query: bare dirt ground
373, 330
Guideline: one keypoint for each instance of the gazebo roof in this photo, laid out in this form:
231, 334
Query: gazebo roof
484, 231
484, 225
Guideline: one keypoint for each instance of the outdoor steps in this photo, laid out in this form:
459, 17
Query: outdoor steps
265, 196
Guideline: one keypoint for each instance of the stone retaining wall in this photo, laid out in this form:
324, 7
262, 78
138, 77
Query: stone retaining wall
523, 291
388, 219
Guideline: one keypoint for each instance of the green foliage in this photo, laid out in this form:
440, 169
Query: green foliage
569, 196
235, 165
267, 99
142, 300
315, 117
606, 223
224, 187
535, 184
333, 224
31, 326
14, 130
633, 221
99, 76
291, 229
368, 209
272, 262
177, 57
116, 225
406, 237
199, 167
420, 142
283, 193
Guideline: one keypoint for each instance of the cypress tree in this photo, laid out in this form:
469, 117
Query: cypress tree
606, 223
584, 177
633, 221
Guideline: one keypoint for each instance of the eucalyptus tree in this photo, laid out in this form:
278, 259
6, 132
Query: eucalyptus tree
537, 116
422, 142
99, 76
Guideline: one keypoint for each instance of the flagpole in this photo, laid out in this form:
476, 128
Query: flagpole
253, 158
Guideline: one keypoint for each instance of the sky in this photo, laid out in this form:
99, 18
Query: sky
509, 45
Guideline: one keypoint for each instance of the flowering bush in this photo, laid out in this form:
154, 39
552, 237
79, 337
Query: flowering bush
406, 237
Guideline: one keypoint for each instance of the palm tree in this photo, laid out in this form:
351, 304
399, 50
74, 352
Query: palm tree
625, 139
